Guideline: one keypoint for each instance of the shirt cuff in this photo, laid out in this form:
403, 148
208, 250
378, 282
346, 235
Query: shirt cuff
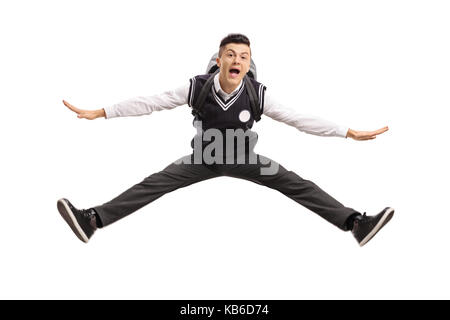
109, 112
342, 131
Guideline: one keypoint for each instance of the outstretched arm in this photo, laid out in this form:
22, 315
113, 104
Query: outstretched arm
137, 106
313, 124
304, 122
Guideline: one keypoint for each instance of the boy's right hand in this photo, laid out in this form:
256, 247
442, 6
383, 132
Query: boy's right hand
86, 114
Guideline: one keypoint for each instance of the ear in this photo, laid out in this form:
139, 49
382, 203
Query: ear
218, 62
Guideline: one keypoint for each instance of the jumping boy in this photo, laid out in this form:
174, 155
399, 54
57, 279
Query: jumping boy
226, 103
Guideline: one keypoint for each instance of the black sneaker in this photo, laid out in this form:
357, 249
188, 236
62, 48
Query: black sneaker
365, 227
82, 222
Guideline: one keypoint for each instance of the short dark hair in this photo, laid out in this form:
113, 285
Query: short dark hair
233, 38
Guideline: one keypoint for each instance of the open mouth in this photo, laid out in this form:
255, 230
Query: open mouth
234, 72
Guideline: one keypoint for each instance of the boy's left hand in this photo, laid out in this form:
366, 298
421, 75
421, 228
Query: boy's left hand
365, 135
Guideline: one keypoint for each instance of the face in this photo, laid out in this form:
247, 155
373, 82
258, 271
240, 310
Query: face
234, 63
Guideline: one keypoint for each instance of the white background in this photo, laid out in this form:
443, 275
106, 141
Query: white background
364, 64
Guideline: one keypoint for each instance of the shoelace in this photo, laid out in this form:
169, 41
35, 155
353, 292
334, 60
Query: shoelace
87, 212
357, 220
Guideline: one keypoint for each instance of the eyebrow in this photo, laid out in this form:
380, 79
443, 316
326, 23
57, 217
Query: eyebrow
235, 51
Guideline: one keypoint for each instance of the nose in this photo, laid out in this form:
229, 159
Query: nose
237, 60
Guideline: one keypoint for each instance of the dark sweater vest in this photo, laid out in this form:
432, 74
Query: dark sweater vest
233, 114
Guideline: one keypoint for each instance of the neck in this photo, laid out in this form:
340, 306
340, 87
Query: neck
226, 86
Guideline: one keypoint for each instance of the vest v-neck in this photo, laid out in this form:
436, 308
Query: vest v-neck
226, 104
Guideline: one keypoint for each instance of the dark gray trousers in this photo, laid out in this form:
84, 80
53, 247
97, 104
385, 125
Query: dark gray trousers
178, 175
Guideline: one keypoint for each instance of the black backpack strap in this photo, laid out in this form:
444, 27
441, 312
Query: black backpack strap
198, 103
254, 100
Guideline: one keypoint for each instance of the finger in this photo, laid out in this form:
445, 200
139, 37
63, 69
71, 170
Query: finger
367, 137
382, 130
71, 107
68, 105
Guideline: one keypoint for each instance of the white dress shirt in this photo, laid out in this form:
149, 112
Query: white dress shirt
170, 99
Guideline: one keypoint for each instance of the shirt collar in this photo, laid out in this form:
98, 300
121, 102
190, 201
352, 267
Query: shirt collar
222, 93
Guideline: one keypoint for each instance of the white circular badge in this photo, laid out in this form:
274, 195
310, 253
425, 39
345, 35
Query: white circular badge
244, 116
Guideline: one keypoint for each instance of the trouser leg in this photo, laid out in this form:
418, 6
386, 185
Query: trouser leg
303, 191
177, 175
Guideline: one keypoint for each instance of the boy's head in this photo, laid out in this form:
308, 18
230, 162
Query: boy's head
233, 38
234, 58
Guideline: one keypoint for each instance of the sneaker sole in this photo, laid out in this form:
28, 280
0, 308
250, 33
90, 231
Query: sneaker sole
384, 219
69, 217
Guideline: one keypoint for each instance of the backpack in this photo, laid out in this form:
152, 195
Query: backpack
213, 69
